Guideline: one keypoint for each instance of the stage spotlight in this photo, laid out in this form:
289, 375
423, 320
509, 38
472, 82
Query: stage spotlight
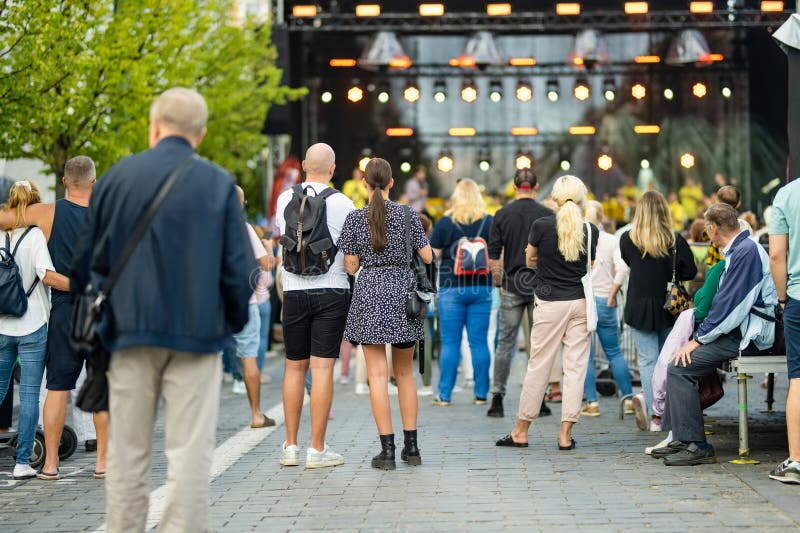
605, 162
495, 91
445, 162
726, 87
581, 90
523, 160
644, 163
411, 92
609, 89
699, 89
669, 94
687, 160
362, 163
552, 90
355, 93
638, 91
565, 165
405, 167
524, 91
440, 91
484, 160
469, 92
383, 93
326, 97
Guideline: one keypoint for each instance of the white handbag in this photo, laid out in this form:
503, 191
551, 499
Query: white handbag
588, 290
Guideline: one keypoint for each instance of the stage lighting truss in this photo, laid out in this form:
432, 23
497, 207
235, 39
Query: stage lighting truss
469, 91
524, 91
581, 90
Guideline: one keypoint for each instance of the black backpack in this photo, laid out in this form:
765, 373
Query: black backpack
13, 297
308, 248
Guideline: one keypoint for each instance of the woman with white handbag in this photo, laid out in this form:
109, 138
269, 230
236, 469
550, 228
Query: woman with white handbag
561, 247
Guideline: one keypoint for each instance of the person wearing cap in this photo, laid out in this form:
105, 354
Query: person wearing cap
507, 243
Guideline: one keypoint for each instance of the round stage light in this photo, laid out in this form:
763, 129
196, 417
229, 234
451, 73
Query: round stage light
326, 97
699, 89
669, 94
581, 90
355, 94
411, 93
644, 163
469, 93
638, 91
405, 167
445, 162
605, 162
565, 165
687, 160
523, 160
362, 163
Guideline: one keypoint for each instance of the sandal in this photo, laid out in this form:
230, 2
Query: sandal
554, 397
509, 441
41, 474
268, 422
99, 475
570, 447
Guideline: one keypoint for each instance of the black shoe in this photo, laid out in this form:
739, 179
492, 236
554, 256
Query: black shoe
670, 449
385, 459
692, 455
545, 410
91, 445
410, 453
496, 410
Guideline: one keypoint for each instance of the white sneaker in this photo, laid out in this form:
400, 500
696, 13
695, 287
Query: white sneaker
24, 472
238, 387
323, 459
425, 391
227, 377
662, 444
344, 380
362, 389
392, 389
655, 425
290, 455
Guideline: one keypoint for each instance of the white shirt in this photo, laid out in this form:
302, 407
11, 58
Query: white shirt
33, 261
609, 268
338, 207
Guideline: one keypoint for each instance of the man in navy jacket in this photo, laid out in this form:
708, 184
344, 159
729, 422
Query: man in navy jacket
182, 294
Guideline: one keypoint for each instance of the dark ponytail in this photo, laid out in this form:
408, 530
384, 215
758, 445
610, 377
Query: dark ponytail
378, 176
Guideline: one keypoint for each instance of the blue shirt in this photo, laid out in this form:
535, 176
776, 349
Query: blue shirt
784, 221
445, 237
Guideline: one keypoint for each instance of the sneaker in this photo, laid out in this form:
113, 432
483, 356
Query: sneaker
691, 455
227, 377
670, 449
392, 389
786, 472
591, 409
655, 425
479, 401
663, 444
323, 459
425, 391
24, 472
266, 378
439, 401
238, 387
290, 455
362, 389
496, 410
344, 380
640, 411
628, 407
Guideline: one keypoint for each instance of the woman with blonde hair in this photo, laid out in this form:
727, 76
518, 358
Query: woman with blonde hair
652, 250
558, 246
465, 290
24, 337
608, 276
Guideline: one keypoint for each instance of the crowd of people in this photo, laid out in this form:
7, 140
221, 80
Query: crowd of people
356, 270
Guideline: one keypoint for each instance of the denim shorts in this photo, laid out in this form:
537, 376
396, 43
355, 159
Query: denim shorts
791, 330
247, 340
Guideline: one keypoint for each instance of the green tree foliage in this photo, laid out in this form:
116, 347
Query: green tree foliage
78, 77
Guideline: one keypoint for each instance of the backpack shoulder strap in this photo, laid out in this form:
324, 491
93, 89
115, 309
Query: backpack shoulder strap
327, 193
16, 246
298, 190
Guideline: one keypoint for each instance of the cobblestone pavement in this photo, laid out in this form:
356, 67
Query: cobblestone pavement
465, 482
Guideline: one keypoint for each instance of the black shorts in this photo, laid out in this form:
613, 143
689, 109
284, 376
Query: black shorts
64, 364
313, 322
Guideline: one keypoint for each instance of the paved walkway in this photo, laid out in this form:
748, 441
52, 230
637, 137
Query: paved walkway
464, 484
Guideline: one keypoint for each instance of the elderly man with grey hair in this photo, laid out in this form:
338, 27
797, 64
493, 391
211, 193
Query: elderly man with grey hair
177, 302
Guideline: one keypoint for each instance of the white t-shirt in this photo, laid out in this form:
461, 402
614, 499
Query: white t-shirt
338, 207
33, 261
258, 251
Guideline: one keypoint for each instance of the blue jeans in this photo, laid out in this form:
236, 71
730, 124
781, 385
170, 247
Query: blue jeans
265, 310
608, 334
30, 349
459, 307
648, 344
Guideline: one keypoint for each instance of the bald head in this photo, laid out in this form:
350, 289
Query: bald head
179, 111
319, 162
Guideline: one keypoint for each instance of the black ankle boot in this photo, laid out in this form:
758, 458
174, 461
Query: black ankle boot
545, 411
385, 459
410, 453
496, 410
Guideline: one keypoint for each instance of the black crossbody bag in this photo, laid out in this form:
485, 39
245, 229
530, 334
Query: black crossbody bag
420, 291
90, 307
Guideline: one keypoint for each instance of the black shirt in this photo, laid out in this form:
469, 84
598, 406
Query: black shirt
67, 223
509, 237
647, 285
558, 279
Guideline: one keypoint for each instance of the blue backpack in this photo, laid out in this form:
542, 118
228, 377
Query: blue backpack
13, 297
